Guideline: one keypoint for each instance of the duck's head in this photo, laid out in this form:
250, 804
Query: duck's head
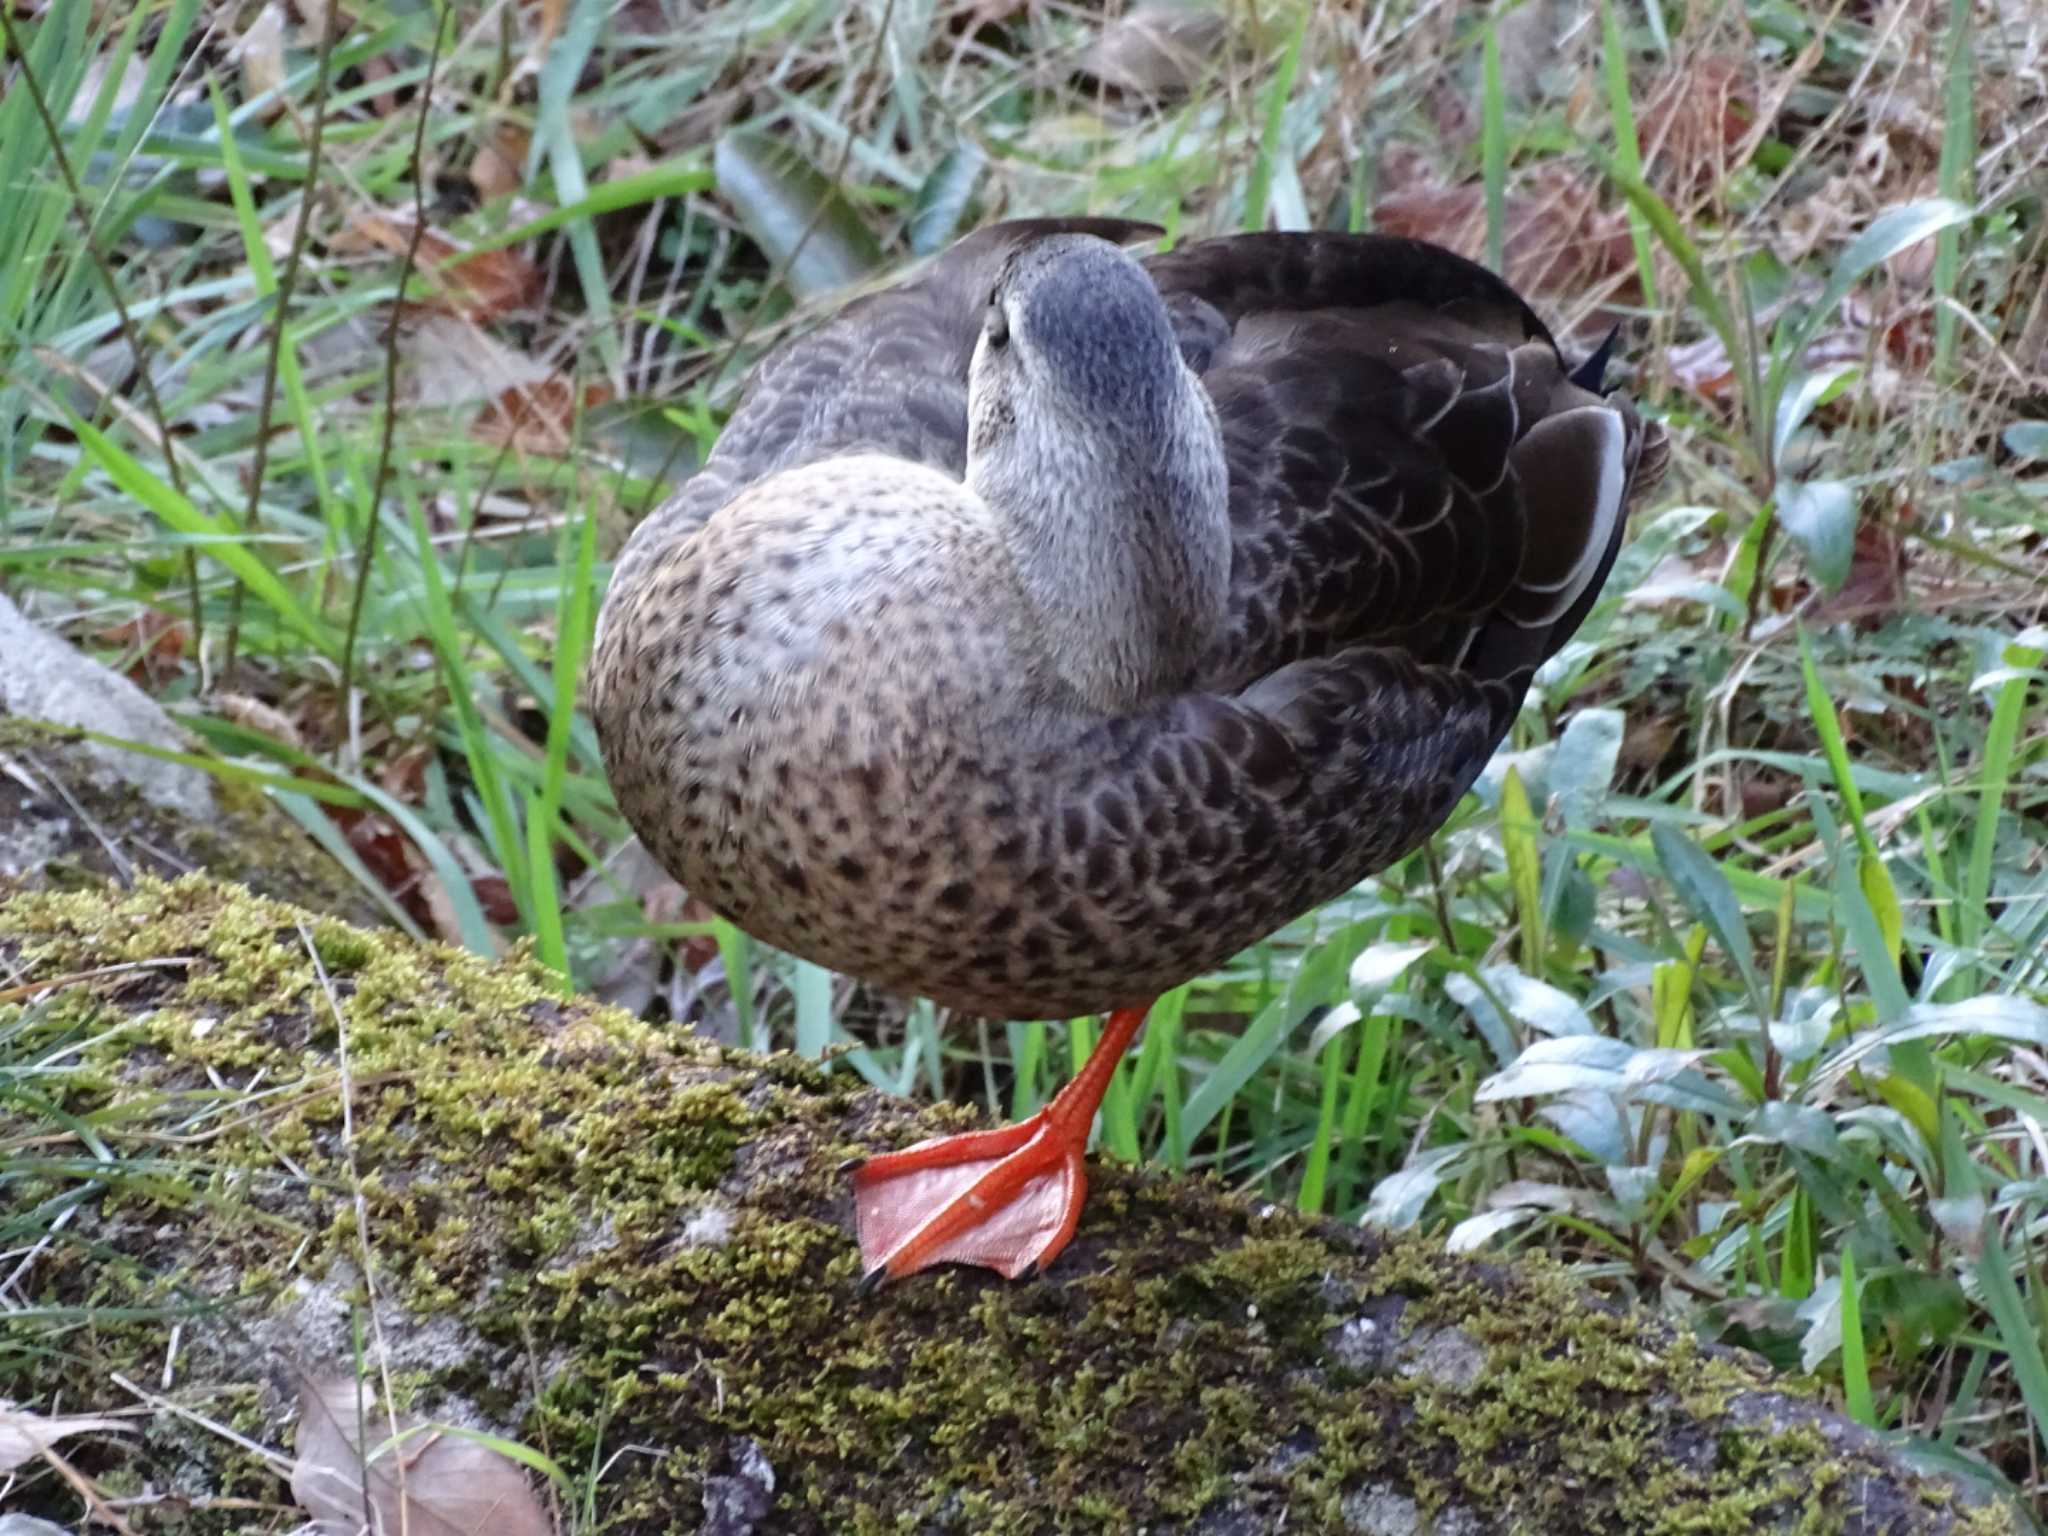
1075, 328
1091, 437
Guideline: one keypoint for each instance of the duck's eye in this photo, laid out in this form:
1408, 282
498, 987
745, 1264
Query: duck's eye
997, 326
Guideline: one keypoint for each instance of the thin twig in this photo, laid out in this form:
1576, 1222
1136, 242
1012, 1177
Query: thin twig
405, 270
104, 268
282, 303
362, 1214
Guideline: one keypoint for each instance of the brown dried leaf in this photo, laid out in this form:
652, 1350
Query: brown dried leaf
259, 716
1697, 114
262, 56
430, 1482
1703, 367
1157, 49
1557, 237
498, 169
539, 417
25, 1435
478, 286
1647, 740
1876, 584
159, 642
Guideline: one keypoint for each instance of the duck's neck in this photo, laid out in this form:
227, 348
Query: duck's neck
1122, 545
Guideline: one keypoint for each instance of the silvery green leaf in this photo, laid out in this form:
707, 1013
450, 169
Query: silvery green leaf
1822, 1314
1398, 1199
1713, 1212
1941, 962
1566, 1064
1537, 1192
1538, 1004
936, 211
1658, 1064
1794, 1125
1593, 1120
1493, 1029
1688, 1090
2027, 439
1331, 1025
1998, 1015
1475, 1231
1900, 1136
1961, 1220
1797, 403
1528, 1001
1582, 768
798, 218
1632, 1186
1379, 966
1820, 517
1533, 765
1810, 1019
1706, 891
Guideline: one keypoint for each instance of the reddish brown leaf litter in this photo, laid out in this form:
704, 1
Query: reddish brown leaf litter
478, 286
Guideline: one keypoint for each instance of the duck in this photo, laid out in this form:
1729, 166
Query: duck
1048, 628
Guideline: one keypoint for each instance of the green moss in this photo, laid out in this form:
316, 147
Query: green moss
595, 1236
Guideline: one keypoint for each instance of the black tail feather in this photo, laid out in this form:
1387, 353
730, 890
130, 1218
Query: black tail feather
1592, 373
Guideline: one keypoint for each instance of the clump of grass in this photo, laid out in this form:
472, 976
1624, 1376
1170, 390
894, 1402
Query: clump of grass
1730, 991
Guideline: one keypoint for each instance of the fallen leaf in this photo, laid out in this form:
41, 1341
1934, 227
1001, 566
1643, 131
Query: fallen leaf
426, 1481
25, 1435
159, 642
1876, 587
494, 895
478, 286
497, 170
259, 716
539, 417
1556, 236
453, 361
262, 55
1702, 367
1157, 49
1695, 114
391, 859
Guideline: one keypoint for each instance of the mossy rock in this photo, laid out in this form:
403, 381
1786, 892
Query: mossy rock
66, 821
631, 1250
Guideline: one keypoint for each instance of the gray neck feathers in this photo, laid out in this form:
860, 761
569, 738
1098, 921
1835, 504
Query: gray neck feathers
1118, 525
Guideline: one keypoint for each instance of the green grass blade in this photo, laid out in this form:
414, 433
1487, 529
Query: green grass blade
1628, 154
1855, 1364
1258, 191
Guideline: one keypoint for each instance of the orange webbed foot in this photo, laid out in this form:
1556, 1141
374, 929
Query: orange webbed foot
1006, 1199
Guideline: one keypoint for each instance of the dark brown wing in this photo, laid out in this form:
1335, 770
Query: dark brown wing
1411, 466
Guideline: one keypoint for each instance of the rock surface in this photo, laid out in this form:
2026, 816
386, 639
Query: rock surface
629, 1250
74, 809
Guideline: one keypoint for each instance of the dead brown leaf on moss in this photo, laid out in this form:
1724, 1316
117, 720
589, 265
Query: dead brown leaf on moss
353, 1472
25, 1435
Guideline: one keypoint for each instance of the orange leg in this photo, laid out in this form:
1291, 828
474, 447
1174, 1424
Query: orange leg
1006, 1199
